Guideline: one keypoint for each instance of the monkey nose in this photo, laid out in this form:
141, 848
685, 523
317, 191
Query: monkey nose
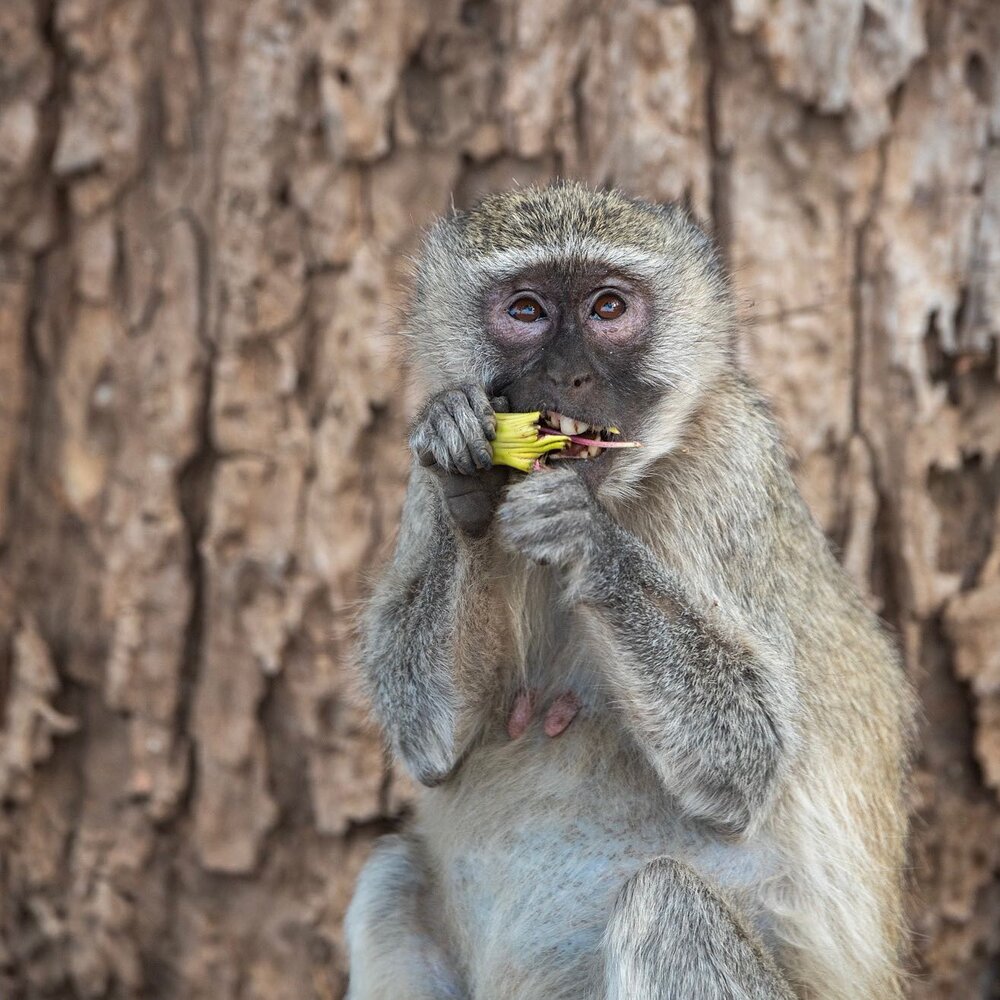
579, 380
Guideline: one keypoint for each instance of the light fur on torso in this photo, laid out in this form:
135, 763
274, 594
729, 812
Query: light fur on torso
533, 839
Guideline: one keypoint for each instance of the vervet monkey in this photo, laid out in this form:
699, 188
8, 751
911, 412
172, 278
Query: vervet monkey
663, 740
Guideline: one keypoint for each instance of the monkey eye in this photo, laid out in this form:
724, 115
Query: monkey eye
526, 309
608, 306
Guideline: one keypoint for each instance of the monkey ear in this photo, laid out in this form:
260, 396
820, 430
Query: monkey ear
680, 216
705, 244
672, 210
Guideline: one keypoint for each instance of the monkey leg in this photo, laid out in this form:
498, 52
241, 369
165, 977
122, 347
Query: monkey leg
672, 936
391, 952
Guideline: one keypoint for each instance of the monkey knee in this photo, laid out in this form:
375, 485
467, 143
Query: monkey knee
659, 878
391, 944
382, 912
726, 810
671, 935
391, 874
656, 898
734, 805
661, 887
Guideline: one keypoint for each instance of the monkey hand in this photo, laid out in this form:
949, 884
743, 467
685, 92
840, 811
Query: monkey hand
550, 517
471, 500
451, 439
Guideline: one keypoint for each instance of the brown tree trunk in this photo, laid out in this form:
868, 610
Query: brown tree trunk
204, 211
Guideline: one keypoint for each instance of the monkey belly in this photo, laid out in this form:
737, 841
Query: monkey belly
531, 842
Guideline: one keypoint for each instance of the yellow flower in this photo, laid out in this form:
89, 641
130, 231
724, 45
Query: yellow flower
518, 443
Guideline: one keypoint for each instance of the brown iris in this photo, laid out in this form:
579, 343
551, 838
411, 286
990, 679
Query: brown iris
526, 309
608, 306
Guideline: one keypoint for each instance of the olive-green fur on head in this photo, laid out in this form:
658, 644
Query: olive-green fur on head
561, 215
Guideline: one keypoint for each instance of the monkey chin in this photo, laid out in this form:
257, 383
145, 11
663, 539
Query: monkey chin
593, 470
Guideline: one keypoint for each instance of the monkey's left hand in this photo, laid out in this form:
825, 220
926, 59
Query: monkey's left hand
551, 518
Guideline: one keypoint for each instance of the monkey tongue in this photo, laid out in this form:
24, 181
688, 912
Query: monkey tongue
593, 442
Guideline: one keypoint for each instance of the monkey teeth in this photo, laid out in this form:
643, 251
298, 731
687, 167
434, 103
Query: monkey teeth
570, 426
554, 421
567, 425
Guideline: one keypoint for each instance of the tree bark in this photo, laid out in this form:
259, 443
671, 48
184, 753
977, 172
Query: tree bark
206, 211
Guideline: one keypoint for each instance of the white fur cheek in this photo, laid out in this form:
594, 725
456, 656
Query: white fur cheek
660, 435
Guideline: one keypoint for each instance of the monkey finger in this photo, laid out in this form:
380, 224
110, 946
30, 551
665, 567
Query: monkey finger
549, 553
429, 448
552, 478
449, 445
535, 516
484, 412
420, 444
442, 462
550, 492
471, 428
500, 404
532, 531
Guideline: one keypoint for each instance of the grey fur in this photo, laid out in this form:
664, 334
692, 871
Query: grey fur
671, 936
710, 711
451, 438
738, 763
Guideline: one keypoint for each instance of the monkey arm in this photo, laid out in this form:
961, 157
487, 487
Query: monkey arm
422, 624
710, 701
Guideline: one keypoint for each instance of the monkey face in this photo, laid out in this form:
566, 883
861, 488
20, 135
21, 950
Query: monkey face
583, 304
570, 344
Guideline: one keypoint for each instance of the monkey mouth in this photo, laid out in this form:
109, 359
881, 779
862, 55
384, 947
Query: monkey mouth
587, 441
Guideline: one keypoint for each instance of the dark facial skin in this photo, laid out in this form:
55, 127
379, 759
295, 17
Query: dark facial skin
573, 342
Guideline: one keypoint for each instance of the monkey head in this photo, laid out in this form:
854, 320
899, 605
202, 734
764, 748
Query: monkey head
597, 309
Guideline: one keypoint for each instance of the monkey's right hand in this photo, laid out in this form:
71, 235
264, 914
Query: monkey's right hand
451, 437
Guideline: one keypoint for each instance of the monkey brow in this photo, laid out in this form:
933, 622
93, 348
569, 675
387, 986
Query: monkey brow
510, 262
